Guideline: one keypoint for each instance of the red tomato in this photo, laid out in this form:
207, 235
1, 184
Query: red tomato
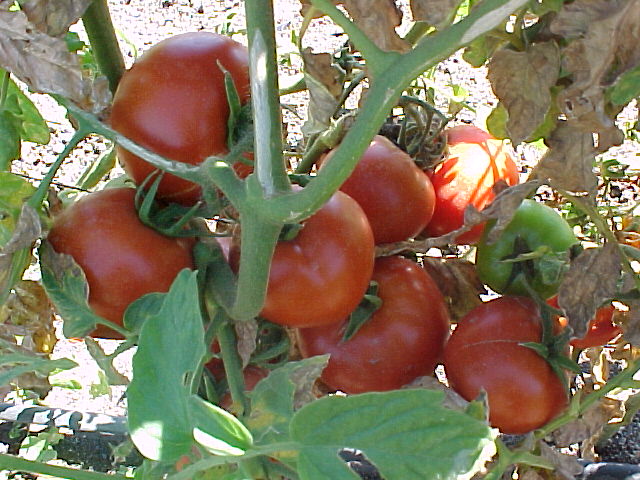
173, 102
401, 341
321, 275
121, 257
396, 195
474, 164
484, 354
601, 329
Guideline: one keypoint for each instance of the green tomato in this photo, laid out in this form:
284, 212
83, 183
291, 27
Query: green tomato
532, 248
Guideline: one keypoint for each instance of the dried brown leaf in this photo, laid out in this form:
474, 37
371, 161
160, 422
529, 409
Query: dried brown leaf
246, 333
589, 425
378, 19
452, 399
566, 466
591, 280
458, 281
45, 64
522, 81
54, 17
604, 33
568, 164
434, 12
304, 378
630, 322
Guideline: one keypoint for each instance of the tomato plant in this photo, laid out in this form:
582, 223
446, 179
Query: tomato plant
484, 353
173, 101
320, 276
396, 195
476, 164
535, 229
601, 329
121, 257
401, 341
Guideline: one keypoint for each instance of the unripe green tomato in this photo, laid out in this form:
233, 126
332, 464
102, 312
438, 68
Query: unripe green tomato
533, 226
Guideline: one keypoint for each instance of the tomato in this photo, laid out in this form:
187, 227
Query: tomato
173, 102
484, 353
534, 226
396, 195
601, 328
121, 257
401, 341
321, 275
475, 163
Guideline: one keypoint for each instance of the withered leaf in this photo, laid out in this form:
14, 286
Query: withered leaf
568, 164
246, 333
458, 281
522, 81
54, 17
588, 425
566, 466
603, 34
378, 19
434, 12
324, 82
631, 324
452, 399
45, 65
591, 280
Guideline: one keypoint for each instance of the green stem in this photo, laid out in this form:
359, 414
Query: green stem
4, 87
232, 362
377, 59
104, 43
9, 462
417, 31
263, 70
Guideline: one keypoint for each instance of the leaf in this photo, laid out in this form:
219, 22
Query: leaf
54, 17
98, 169
481, 49
438, 13
626, 88
141, 309
105, 362
67, 287
45, 65
14, 190
588, 426
275, 398
522, 81
246, 333
591, 281
566, 466
406, 434
10, 144
378, 19
568, 164
171, 344
30, 124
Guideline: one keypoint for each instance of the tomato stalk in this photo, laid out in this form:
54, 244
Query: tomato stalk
10, 462
104, 43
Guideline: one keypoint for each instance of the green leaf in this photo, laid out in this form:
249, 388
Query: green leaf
142, 309
16, 364
275, 398
626, 88
30, 125
406, 434
171, 345
14, 190
66, 286
98, 169
105, 362
10, 144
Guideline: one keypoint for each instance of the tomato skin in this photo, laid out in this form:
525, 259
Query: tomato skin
121, 257
396, 195
402, 340
601, 329
321, 275
484, 354
173, 102
536, 224
475, 163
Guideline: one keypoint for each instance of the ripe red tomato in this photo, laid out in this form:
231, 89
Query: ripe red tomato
396, 195
321, 275
121, 257
601, 329
173, 102
475, 163
484, 353
401, 341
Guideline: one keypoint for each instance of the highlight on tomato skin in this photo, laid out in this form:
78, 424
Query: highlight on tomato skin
485, 353
122, 258
173, 101
394, 192
476, 164
320, 276
401, 341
